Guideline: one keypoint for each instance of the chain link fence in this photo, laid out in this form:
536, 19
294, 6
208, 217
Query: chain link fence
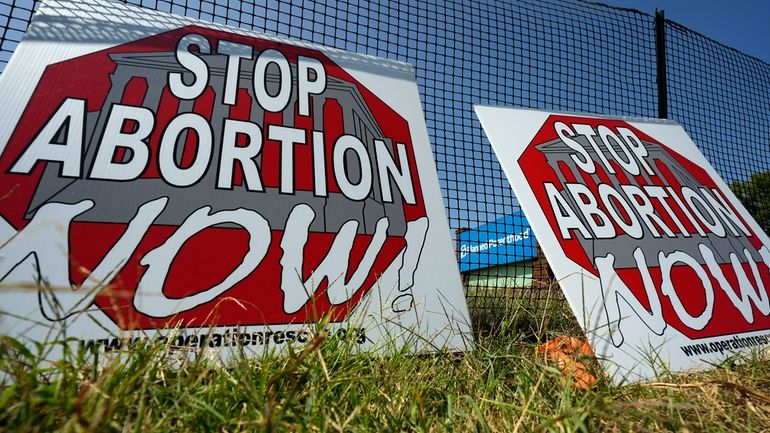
557, 55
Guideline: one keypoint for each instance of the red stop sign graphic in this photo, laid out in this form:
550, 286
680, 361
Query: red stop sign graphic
288, 161
613, 194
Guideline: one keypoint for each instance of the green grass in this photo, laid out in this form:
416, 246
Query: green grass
503, 385
528, 312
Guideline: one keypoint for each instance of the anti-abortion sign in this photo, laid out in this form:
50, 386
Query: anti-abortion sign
506, 240
159, 172
661, 264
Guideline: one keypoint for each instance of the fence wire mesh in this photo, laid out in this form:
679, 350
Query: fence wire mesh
556, 55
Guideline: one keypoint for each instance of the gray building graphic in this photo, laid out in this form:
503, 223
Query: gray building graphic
557, 154
117, 202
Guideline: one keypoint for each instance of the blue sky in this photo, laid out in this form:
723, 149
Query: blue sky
741, 24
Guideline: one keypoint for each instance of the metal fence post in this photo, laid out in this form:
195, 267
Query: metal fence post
660, 58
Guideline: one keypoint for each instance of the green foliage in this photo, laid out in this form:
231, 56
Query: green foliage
754, 194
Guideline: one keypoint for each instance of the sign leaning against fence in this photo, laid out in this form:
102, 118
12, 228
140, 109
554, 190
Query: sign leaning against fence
159, 172
663, 267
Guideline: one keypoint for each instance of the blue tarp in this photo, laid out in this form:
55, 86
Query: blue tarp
506, 240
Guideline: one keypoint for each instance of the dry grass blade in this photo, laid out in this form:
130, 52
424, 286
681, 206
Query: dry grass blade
743, 390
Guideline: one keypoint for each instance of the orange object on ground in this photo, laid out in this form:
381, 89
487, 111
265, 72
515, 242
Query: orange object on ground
565, 351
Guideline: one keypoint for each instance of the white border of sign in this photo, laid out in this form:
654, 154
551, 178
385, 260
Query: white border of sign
643, 355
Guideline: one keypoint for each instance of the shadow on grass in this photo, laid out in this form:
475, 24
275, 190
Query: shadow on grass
528, 314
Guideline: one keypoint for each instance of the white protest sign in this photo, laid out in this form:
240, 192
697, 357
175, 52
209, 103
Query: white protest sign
159, 171
663, 267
